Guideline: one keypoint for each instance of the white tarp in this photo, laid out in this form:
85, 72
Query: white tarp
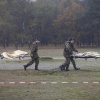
90, 54
15, 54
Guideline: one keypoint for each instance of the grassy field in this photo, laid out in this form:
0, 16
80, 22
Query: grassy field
90, 72
50, 91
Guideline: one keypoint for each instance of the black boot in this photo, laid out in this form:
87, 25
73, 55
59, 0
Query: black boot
25, 66
75, 67
62, 67
67, 67
36, 67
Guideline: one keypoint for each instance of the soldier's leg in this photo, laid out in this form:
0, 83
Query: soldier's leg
36, 63
74, 64
67, 64
30, 63
62, 67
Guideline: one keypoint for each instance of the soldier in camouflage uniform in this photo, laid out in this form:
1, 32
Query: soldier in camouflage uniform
68, 51
34, 56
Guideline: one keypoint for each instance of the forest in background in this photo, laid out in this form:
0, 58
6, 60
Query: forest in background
50, 21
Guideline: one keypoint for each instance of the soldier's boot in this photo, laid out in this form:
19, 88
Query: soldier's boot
36, 67
62, 67
67, 68
74, 65
25, 66
30, 63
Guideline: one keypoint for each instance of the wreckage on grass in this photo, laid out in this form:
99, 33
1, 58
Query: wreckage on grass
16, 54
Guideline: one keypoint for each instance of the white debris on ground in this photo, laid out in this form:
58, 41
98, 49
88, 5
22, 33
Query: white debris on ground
90, 54
23, 54
15, 54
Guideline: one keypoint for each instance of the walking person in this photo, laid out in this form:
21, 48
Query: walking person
68, 51
34, 55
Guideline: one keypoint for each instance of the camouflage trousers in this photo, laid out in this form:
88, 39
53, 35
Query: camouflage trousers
33, 60
65, 65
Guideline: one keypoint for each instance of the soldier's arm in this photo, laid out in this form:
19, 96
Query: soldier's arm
74, 49
33, 49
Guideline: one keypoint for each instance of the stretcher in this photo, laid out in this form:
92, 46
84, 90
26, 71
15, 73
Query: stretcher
86, 55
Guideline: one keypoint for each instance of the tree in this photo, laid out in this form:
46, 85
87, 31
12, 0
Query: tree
44, 14
5, 21
90, 22
67, 22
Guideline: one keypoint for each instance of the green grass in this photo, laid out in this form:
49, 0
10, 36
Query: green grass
90, 72
50, 91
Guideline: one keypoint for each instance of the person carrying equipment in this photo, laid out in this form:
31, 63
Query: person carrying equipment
68, 51
34, 56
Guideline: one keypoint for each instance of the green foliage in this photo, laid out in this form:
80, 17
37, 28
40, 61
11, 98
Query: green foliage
90, 22
67, 22
50, 21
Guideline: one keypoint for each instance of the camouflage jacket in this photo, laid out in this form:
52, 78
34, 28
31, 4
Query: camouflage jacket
34, 50
68, 49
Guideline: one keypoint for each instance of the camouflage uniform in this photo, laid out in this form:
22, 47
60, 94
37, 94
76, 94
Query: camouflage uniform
68, 51
34, 57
